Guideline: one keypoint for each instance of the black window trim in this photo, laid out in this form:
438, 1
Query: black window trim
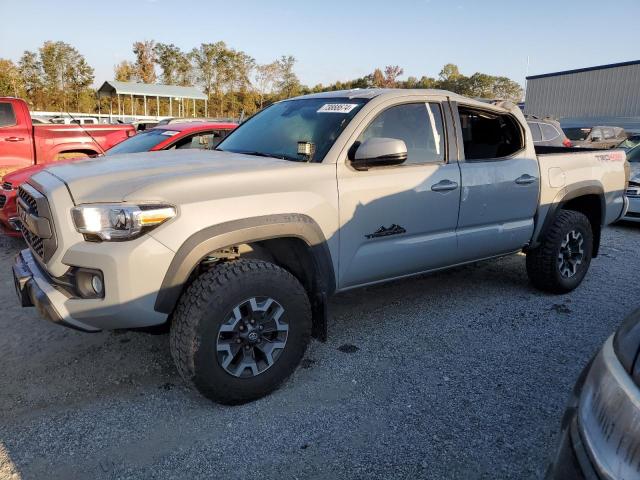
463, 156
445, 127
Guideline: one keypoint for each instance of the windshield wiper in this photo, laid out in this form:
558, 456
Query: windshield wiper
263, 154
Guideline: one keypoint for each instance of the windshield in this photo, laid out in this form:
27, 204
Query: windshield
630, 142
633, 156
577, 134
142, 142
300, 130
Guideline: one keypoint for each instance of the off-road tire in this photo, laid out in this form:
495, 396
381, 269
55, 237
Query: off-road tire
205, 305
542, 262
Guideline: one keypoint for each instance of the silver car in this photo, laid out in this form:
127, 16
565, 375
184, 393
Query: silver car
601, 426
633, 190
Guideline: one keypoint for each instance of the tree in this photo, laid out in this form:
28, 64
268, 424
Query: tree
377, 80
125, 71
80, 77
391, 74
451, 79
288, 84
145, 61
11, 83
30, 70
210, 61
174, 64
479, 85
65, 73
266, 76
507, 89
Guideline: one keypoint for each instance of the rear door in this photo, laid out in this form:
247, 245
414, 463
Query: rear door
500, 184
16, 149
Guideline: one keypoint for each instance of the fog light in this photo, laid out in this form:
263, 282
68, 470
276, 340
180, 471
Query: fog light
96, 284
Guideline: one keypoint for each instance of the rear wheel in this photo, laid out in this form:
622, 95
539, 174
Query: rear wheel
240, 330
561, 262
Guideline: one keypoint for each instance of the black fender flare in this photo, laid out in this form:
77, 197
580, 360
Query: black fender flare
582, 189
247, 230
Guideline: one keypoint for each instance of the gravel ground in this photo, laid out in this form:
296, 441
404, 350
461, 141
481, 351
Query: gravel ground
463, 374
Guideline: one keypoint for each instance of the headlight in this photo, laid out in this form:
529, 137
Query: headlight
119, 221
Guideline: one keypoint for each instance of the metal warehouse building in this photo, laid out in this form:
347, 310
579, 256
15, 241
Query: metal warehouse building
605, 91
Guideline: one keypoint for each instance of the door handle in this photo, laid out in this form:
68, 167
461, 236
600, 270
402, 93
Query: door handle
14, 139
444, 186
525, 179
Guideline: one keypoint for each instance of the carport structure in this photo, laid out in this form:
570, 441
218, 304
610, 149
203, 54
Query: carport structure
151, 92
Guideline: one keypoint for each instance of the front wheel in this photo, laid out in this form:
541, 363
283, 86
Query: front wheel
561, 262
240, 330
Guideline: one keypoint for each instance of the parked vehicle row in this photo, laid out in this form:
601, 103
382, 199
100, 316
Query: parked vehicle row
200, 135
547, 132
23, 144
242, 246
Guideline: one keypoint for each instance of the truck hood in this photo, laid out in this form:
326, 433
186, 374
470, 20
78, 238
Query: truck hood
121, 177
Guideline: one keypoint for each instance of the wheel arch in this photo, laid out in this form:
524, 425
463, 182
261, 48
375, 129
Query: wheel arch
586, 198
293, 241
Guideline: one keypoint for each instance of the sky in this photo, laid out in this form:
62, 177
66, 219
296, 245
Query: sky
340, 40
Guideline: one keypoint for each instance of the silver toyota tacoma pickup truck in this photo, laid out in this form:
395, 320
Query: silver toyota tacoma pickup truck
239, 248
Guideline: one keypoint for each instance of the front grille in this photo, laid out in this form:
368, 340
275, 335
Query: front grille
7, 186
34, 241
633, 192
29, 200
3, 200
34, 204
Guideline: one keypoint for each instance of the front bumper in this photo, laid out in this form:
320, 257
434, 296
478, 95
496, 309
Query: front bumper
601, 430
633, 212
132, 275
34, 289
9, 222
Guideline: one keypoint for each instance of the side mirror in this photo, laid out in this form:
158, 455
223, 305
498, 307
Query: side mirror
595, 139
379, 152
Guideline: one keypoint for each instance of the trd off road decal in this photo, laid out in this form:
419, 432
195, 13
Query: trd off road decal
386, 231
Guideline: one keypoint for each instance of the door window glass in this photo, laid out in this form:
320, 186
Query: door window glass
535, 132
488, 135
548, 131
419, 125
7, 115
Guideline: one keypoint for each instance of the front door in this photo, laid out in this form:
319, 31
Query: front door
500, 185
399, 220
16, 149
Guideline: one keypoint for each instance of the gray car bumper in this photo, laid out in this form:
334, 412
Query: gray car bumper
633, 211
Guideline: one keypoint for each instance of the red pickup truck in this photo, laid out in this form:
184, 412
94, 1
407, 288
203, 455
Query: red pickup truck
23, 144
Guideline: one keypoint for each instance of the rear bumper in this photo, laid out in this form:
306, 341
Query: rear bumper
34, 290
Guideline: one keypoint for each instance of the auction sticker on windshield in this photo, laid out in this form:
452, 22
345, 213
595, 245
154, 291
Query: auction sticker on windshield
337, 107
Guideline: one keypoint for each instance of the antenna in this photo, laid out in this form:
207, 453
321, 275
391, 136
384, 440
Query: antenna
85, 131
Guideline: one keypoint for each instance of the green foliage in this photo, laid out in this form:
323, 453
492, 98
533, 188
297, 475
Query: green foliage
11, 83
145, 65
57, 77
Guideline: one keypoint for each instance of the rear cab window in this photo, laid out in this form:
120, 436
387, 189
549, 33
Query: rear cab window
7, 115
489, 135
535, 131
